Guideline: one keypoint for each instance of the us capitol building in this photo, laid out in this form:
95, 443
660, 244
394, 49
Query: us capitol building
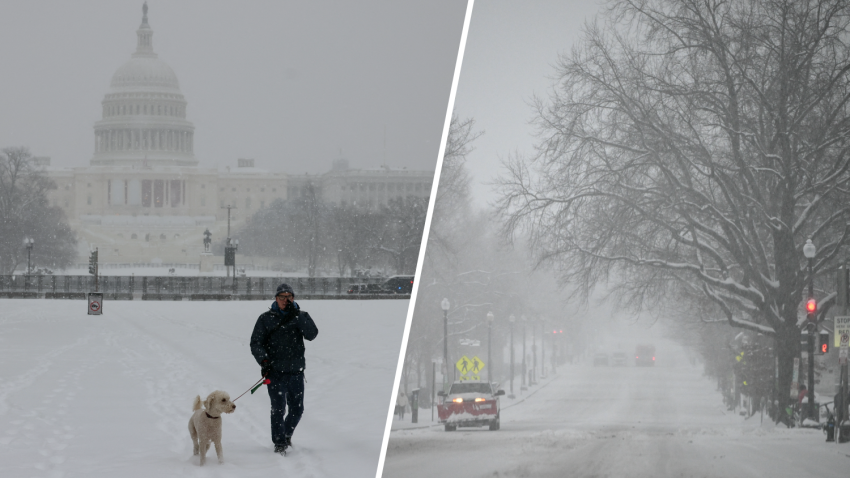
144, 199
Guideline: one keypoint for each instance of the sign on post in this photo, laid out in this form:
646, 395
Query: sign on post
95, 300
470, 368
842, 331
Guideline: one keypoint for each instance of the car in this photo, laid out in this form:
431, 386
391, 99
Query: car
645, 355
400, 284
368, 289
600, 358
618, 359
470, 403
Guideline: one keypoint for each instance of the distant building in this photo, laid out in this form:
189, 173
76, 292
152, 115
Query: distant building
144, 199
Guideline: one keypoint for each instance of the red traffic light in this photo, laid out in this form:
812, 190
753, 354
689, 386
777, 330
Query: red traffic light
811, 306
824, 348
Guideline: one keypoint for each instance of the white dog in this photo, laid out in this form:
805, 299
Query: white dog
205, 424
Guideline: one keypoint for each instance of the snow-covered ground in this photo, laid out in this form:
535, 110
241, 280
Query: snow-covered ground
589, 421
111, 395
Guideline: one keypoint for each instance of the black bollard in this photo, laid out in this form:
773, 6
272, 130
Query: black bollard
414, 406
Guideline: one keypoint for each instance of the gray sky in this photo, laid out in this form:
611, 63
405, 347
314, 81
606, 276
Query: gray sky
287, 83
510, 52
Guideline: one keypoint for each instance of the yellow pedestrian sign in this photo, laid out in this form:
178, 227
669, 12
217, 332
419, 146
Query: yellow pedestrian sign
470, 368
463, 365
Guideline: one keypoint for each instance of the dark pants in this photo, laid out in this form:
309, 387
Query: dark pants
285, 391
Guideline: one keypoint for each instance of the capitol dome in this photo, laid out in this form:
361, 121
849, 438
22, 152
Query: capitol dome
144, 72
144, 113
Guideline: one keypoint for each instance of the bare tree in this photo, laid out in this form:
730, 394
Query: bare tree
697, 144
401, 234
25, 212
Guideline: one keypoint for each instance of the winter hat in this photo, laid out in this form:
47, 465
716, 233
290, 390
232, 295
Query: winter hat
284, 288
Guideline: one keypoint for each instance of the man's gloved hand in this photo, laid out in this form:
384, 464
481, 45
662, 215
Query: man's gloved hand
266, 368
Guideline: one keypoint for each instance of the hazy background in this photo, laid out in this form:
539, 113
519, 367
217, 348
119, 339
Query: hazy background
289, 84
509, 54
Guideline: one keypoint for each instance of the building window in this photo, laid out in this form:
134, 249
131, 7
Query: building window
88, 184
203, 201
88, 200
262, 204
134, 236
203, 186
247, 203
274, 190
162, 237
234, 190
262, 190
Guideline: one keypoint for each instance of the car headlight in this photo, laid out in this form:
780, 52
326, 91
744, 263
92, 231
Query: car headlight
479, 399
458, 400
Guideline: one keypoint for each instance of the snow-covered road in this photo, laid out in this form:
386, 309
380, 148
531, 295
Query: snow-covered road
589, 421
111, 395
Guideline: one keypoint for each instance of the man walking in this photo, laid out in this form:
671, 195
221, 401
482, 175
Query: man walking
278, 346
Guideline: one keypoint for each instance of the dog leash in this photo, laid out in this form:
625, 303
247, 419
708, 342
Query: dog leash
254, 387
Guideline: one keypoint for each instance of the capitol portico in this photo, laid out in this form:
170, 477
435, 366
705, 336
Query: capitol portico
143, 198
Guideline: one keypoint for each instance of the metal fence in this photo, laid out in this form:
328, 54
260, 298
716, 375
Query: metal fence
182, 288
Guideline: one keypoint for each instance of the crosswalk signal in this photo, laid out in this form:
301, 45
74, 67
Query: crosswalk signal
824, 342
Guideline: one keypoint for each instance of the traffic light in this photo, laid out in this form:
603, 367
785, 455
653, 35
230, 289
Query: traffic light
811, 306
824, 343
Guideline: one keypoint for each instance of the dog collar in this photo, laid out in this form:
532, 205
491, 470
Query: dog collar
210, 416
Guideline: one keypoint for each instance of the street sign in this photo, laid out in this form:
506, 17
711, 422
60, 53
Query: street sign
470, 368
95, 301
463, 365
842, 331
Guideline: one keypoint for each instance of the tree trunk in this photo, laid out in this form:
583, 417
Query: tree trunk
787, 347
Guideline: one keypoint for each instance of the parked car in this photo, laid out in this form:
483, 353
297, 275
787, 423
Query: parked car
645, 355
368, 289
399, 284
600, 358
470, 403
618, 359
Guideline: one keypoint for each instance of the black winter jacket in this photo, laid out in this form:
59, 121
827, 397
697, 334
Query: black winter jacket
283, 346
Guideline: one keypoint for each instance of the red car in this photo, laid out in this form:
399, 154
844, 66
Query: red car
470, 404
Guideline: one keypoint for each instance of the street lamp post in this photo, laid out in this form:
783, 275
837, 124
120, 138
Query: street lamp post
533, 354
445, 306
809, 251
543, 347
523, 385
489, 347
511, 320
28, 243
